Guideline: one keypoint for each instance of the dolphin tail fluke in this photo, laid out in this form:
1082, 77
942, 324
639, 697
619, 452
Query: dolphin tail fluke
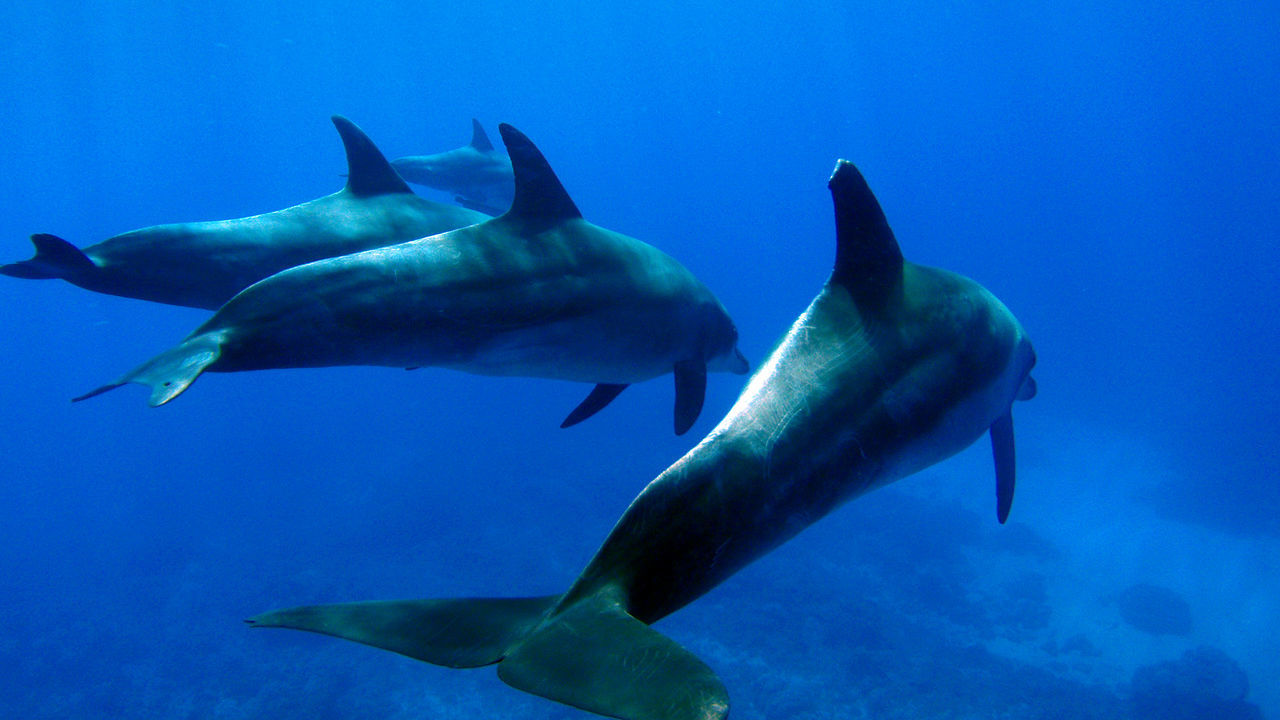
171, 372
457, 633
1002, 449
691, 389
601, 395
593, 656
596, 657
54, 258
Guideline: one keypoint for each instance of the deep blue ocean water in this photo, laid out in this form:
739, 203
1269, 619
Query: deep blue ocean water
1112, 174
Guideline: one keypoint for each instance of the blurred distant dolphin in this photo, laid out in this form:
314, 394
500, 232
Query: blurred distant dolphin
479, 176
203, 264
537, 292
892, 368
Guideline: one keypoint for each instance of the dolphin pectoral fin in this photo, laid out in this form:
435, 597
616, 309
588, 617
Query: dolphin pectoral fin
54, 258
601, 395
1002, 449
456, 632
598, 658
691, 389
171, 372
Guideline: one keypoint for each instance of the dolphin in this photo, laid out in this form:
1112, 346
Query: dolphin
537, 292
893, 367
203, 264
479, 176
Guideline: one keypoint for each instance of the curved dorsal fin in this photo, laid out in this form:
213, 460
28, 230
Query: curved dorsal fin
368, 172
479, 140
539, 194
868, 260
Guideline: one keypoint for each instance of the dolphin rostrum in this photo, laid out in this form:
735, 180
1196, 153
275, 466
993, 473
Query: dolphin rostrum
537, 292
479, 176
203, 264
892, 368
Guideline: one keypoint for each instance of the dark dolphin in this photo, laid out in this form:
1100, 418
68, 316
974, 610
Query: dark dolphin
537, 292
892, 368
479, 176
204, 264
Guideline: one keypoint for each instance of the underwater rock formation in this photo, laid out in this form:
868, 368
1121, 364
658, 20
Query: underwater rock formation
1155, 610
1205, 684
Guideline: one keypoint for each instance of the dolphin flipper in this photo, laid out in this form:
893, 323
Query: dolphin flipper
601, 395
1002, 449
596, 657
691, 389
457, 633
54, 258
170, 372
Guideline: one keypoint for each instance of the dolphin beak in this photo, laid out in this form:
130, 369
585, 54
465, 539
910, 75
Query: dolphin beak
1028, 389
739, 364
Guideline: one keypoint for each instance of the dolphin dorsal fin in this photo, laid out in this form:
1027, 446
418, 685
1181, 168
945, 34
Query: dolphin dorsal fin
868, 259
368, 172
479, 140
539, 195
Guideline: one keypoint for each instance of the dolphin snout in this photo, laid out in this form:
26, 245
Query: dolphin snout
1027, 389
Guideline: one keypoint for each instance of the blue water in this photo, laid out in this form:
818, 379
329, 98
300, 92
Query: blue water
1111, 174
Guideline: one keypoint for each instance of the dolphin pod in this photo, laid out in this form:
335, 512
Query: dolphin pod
892, 368
479, 176
537, 292
204, 264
